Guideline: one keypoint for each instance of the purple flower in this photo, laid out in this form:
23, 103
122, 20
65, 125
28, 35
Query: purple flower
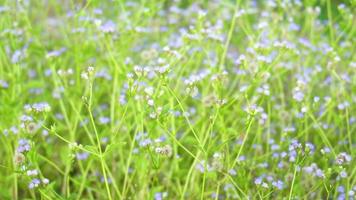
278, 184
24, 146
3, 84
145, 142
56, 53
108, 27
34, 183
258, 181
232, 172
104, 120
319, 173
160, 195
82, 156
17, 56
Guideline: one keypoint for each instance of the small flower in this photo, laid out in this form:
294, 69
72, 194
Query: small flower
32, 172
19, 158
145, 142
203, 166
23, 146
45, 181
55, 53
232, 172
31, 127
90, 70
150, 102
153, 115
343, 174
164, 151
343, 158
84, 75
258, 181
108, 27
265, 185
149, 91
38, 107
278, 184
104, 120
209, 100
217, 162
88, 73
82, 156
34, 183
3, 84
319, 173
160, 195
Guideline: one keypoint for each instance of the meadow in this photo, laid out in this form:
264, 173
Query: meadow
177, 99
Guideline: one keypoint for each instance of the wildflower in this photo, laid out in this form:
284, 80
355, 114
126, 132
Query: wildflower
108, 27
153, 115
3, 84
88, 73
145, 142
264, 90
319, 173
102, 179
19, 158
104, 120
23, 146
17, 56
258, 181
34, 183
141, 71
160, 195
162, 70
221, 102
150, 102
4, 9
32, 172
343, 105
149, 91
14, 130
5, 132
104, 140
38, 107
232, 172
193, 91
314, 170
45, 133
90, 70
341, 189
56, 53
325, 150
31, 127
203, 166
298, 95
45, 181
64, 73
265, 185
164, 151
84, 75
278, 184
343, 174
343, 158
209, 100
82, 156
103, 73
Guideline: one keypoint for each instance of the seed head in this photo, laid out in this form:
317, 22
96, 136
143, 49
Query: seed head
164, 151
19, 158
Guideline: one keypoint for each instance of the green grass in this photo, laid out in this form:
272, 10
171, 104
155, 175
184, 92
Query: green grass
177, 99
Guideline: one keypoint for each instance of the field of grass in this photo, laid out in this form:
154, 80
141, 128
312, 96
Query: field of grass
177, 99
